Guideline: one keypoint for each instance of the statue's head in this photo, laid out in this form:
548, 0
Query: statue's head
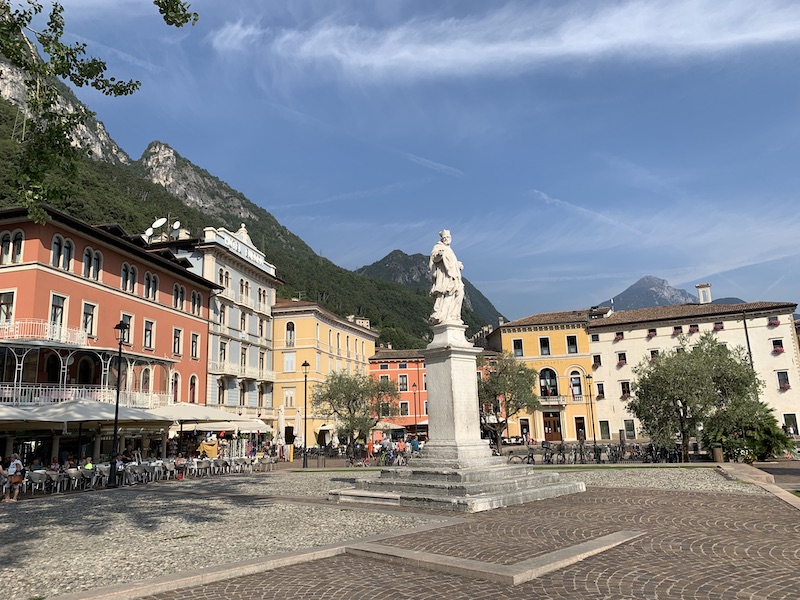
444, 235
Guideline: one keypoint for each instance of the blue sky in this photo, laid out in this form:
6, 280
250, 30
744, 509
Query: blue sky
570, 147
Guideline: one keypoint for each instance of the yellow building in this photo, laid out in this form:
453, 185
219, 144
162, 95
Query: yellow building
557, 346
306, 333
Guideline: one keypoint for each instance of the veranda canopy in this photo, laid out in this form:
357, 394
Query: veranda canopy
185, 412
381, 425
90, 412
249, 426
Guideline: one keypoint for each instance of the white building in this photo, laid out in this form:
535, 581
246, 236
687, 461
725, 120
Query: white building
241, 375
621, 340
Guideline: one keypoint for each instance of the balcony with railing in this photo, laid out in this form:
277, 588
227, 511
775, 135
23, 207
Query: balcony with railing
41, 330
33, 394
553, 400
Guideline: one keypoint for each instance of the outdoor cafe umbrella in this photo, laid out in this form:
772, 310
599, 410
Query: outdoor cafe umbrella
279, 438
298, 424
186, 412
13, 418
92, 412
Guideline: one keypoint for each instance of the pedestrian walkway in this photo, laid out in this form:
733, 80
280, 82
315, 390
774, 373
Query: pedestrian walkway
623, 543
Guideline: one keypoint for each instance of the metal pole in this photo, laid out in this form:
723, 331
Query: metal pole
589, 379
121, 327
414, 387
305, 366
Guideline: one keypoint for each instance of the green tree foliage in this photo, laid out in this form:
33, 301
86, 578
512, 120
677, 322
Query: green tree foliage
506, 390
684, 388
356, 402
46, 139
747, 430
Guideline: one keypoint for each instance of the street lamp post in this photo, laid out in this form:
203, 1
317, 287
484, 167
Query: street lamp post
305, 366
120, 329
589, 381
414, 387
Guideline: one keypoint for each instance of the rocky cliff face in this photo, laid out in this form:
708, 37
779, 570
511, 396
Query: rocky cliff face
650, 291
193, 186
92, 136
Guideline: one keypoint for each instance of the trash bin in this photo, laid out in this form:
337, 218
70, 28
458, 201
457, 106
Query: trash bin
716, 454
320, 461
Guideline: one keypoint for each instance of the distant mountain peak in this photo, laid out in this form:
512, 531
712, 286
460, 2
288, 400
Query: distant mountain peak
412, 271
650, 291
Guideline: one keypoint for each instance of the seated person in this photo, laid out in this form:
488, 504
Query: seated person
36, 465
128, 455
54, 464
180, 464
89, 464
128, 477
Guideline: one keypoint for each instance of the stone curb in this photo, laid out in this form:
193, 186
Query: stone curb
765, 481
173, 582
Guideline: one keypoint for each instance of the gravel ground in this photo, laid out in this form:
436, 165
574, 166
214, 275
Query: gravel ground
66, 543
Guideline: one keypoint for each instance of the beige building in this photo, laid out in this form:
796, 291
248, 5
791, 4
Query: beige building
306, 333
621, 340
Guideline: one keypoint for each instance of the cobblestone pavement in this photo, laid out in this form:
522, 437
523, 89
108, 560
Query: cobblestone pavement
694, 545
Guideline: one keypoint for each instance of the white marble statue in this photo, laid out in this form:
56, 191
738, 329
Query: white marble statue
448, 288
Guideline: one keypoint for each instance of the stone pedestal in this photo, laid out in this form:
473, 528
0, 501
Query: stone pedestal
456, 470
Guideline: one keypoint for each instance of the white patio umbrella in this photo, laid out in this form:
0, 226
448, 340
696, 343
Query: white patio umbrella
185, 412
249, 426
279, 439
92, 412
15, 419
298, 426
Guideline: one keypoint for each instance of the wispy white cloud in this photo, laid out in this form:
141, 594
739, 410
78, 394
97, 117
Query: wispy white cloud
584, 212
375, 192
520, 37
429, 164
96, 48
236, 37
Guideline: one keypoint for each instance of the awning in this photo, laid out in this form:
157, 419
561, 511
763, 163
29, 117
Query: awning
380, 425
249, 426
186, 412
92, 412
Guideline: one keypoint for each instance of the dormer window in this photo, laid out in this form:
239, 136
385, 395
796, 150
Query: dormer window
694, 328
677, 330
719, 326
651, 333
773, 322
619, 336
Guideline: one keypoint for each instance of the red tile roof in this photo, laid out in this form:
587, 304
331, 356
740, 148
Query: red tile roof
559, 318
689, 311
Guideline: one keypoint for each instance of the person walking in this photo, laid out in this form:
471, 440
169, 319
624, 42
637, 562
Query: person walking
14, 479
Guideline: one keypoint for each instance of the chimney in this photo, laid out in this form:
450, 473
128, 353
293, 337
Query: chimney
704, 293
501, 320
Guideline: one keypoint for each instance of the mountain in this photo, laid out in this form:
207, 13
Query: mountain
412, 272
112, 189
651, 291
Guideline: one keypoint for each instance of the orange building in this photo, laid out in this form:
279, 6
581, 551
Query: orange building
65, 285
407, 369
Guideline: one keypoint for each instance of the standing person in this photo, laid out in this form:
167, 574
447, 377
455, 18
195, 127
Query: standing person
14, 481
448, 288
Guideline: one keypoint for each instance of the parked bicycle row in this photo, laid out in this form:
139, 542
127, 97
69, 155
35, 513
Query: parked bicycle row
561, 453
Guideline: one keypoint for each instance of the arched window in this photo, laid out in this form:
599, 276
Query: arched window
66, 255
193, 389
221, 277
178, 296
575, 384
548, 382
243, 322
56, 249
124, 276
97, 263
5, 251
87, 262
16, 248
227, 280
154, 288
176, 386
132, 278
222, 314
338, 341
241, 287
146, 380
290, 334
148, 284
